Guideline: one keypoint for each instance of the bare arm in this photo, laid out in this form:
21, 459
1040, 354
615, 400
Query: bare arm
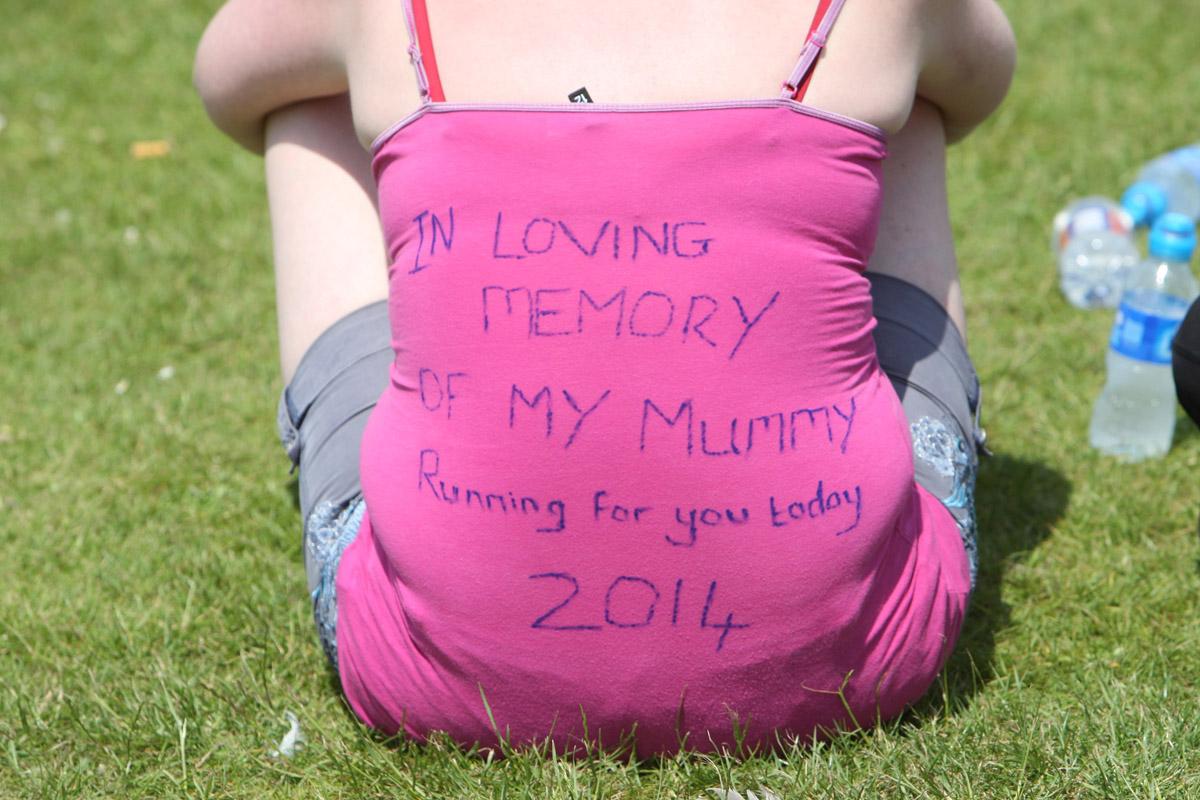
969, 59
257, 56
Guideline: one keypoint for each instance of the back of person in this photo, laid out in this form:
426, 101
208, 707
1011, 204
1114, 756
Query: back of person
628, 52
571, 524
637, 463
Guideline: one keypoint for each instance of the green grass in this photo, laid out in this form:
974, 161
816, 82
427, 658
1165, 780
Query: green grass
153, 626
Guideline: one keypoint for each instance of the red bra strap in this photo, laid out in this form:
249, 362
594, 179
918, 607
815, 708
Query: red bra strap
797, 84
823, 19
421, 51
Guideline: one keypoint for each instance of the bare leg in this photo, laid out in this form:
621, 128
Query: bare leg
915, 242
331, 281
329, 252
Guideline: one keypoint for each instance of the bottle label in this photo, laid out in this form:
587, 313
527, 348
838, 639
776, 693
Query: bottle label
1144, 336
1089, 219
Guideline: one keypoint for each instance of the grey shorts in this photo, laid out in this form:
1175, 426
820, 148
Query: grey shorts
926, 359
321, 417
324, 409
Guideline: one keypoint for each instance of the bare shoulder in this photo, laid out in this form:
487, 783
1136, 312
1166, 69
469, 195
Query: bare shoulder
958, 54
383, 86
871, 63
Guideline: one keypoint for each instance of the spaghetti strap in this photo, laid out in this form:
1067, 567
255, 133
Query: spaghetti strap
420, 50
826, 14
421, 42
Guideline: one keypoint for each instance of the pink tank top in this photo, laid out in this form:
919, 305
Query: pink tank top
637, 462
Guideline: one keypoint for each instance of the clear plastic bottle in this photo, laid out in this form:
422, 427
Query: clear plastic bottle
1177, 175
1093, 239
1134, 416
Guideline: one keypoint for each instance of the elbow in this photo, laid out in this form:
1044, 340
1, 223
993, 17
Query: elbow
974, 66
210, 82
203, 78
225, 100
1006, 58
994, 71
985, 77
1003, 69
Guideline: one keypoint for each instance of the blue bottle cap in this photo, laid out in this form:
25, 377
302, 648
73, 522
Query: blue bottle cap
1145, 202
1173, 237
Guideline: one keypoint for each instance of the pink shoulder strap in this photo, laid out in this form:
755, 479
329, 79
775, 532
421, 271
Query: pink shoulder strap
420, 51
826, 14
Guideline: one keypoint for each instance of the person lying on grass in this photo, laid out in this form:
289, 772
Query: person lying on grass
624, 365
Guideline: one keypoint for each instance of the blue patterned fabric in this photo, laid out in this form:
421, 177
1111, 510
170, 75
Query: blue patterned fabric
327, 534
949, 455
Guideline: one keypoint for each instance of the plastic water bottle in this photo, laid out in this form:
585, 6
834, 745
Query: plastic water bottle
1144, 202
1093, 238
1177, 175
1134, 416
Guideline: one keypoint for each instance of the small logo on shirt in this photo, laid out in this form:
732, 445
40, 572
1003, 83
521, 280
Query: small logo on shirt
580, 95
